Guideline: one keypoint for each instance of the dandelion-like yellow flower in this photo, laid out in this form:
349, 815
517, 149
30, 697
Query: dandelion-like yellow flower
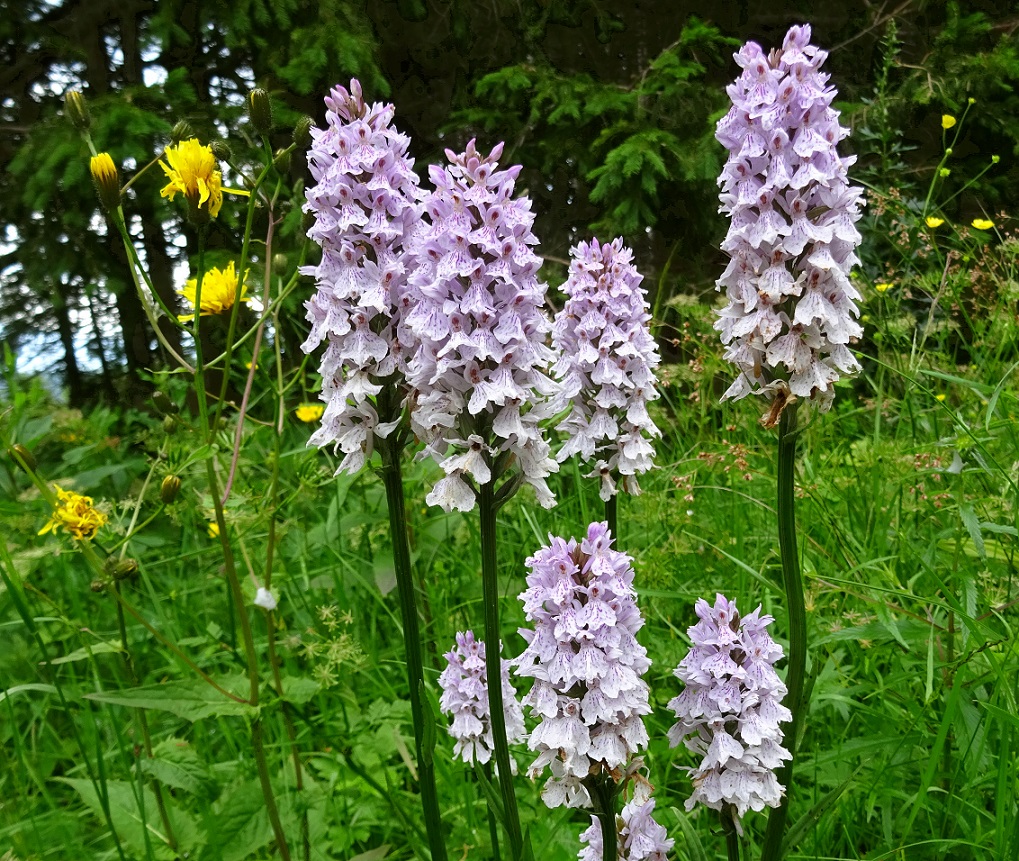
192, 171
106, 180
947, 121
982, 224
219, 290
309, 412
75, 514
933, 222
884, 287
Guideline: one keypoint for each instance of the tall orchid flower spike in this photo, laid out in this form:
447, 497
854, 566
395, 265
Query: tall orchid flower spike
791, 312
474, 317
587, 665
606, 366
465, 699
730, 710
365, 203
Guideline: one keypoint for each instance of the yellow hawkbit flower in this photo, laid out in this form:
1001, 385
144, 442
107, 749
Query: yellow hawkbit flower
219, 290
947, 121
106, 180
75, 514
982, 224
884, 287
934, 222
213, 529
309, 412
192, 171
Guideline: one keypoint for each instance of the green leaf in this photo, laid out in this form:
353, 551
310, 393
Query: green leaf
299, 689
969, 520
376, 854
239, 826
31, 686
175, 764
127, 817
694, 847
101, 648
191, 700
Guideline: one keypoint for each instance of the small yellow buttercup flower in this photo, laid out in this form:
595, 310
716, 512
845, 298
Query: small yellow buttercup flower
884, 287
934, 222
219, 290
982, 224
193, 172
213, 529
309, 412
942, 397
74, 513
944, 172
947, 121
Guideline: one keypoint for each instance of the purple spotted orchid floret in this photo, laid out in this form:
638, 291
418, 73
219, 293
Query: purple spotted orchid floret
640, 837
365, 203
588, 691
606, 366
475, 316
730, 711
465, 698
791, 311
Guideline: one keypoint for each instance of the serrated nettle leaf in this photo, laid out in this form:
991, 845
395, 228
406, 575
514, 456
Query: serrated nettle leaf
176, 764
191, 700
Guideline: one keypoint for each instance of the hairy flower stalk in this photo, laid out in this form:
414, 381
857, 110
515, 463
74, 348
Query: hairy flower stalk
465, 699
366, 212
791, 311
730, 710
588, 668
606, 368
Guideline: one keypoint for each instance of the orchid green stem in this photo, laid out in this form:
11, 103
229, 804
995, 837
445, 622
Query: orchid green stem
797, 616
392, 478
493, 666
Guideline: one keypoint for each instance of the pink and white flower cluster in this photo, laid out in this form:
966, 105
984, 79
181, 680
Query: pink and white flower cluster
791, 311
366, 214
475, 312
606, 365
730, 711
464, 686
640, 837
586, 663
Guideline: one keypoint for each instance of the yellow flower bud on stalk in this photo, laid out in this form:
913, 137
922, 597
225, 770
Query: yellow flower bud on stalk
106, 180
76, 109
260, 110
22, 457
302, 133
169, 489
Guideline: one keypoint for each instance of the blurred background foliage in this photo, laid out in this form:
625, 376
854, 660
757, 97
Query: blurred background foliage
610, 107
